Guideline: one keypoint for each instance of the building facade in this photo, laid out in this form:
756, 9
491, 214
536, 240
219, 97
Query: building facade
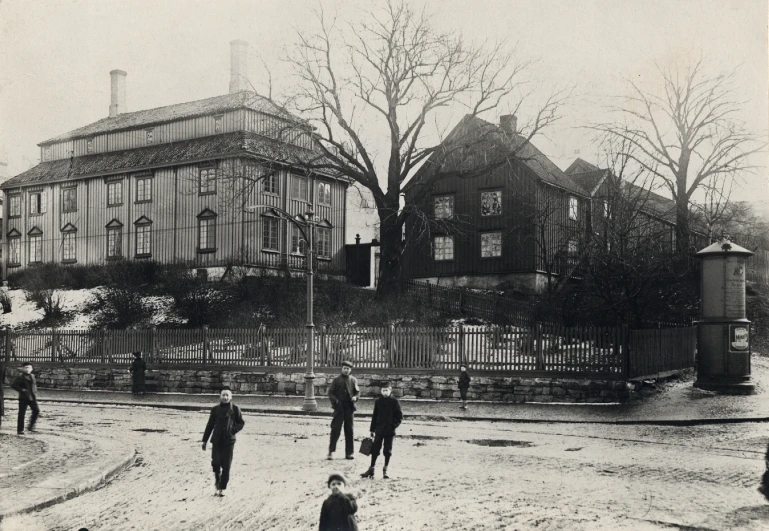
209, 183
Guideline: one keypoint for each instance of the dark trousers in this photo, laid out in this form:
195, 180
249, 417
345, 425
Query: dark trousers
23, 404
221, 461
138, 384
343, 415
388, 445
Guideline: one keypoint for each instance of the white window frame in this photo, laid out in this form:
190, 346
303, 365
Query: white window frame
268, 235
324, 193
207, 180
117, 197
441, 248
14, 205
298, 243
491, 244
114, 242
144, 189
299, 184
64, 193
69, 248
144, 239
207, 233
323, 242
501, 204
37, 203
443, 215
14, 250
573, 208
35, 249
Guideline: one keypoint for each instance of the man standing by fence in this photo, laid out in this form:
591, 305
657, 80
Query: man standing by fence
343, 393
138, 370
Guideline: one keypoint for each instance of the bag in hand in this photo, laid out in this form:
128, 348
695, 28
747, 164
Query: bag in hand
366, 445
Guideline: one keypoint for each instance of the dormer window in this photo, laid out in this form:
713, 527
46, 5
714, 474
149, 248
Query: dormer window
47, 153
89, 145
150, 135
218, 123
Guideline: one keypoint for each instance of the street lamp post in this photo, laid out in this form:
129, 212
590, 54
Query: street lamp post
310, 404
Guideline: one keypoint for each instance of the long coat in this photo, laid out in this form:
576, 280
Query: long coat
387, 416
338, 513
138, 368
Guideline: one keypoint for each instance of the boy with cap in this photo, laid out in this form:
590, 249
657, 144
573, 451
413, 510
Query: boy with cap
224, 422
338, 511
464, 384
26, 386
343, 393
385, 420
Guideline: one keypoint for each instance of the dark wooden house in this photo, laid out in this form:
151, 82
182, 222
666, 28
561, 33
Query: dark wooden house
177, 183
489, 210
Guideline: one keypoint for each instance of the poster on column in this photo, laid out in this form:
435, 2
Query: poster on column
739, 338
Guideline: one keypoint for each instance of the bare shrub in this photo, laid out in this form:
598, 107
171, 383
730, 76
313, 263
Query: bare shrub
120, 306
5, 302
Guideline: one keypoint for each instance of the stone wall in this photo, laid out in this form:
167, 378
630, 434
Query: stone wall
280, 381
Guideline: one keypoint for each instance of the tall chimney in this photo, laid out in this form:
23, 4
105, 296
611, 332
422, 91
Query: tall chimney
117, 100
509, 124
238, 66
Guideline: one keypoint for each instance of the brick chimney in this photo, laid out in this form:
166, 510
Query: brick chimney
509, 124
117, 99
239, 66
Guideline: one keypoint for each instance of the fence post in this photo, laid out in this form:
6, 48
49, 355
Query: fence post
625, 335
54, 341
538, 339
205, 344
391, 344
100, 343
153, 343
323, 350
8, 346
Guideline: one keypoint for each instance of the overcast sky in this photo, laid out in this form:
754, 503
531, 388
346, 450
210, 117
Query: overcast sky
55, 56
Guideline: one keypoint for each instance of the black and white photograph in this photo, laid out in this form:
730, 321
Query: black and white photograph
429, 265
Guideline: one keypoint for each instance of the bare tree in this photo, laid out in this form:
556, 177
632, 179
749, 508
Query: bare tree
685, 131
397, 72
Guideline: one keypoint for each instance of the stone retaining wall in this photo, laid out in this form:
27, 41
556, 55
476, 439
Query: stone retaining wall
281, 382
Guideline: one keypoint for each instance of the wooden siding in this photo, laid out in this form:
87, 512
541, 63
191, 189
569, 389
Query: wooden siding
552, 215
173, 210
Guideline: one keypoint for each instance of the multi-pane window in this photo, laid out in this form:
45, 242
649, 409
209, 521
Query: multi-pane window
14, 250
491, 203
443, 207
573, 208
323, 243
270, 233
15, 206
491, 244
115, 193
68, 252
144, 189
324, 193
114, 242
443, 247
207, 233
69, 199
218, 124
37, 203
47, 153
298, 243
299, 188
35, 248
270, 184
89, 145
573, 254
150, 135
207, 180
144, 239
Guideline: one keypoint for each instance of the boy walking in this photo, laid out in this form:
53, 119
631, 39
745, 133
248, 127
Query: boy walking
338, 511
26, 386
464, 384
385, 420
343, 393
224, 422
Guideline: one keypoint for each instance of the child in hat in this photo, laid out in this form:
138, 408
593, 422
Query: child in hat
385, 420
338, 511
464, 384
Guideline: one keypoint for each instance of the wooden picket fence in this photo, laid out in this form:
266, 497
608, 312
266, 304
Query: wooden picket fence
539, 350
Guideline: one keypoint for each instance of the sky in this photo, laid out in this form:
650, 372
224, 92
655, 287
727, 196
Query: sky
55, 58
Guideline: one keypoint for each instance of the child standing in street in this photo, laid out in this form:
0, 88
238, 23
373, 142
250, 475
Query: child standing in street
338, 511
464, 384
26, 386
385, 420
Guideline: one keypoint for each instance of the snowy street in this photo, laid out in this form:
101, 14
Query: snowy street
445, 475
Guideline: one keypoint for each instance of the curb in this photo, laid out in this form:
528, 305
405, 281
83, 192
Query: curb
102, 478
433, 417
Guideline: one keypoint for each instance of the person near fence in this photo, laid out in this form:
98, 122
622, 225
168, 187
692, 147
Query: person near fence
138, 370
338, 511
224, 422
385, 420
464, 384
343, 393
26, 386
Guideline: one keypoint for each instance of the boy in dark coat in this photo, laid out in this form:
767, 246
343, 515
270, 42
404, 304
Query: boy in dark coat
224, 422
26, 386
343, 393
464, 384
137, 370
385, 420
338, 511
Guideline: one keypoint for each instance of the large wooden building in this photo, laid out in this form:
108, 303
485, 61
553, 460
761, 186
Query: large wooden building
517, 225
205, 182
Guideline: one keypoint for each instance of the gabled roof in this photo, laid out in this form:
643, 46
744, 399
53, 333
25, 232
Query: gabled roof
208, 106
174, 153
526, 152
580, 166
